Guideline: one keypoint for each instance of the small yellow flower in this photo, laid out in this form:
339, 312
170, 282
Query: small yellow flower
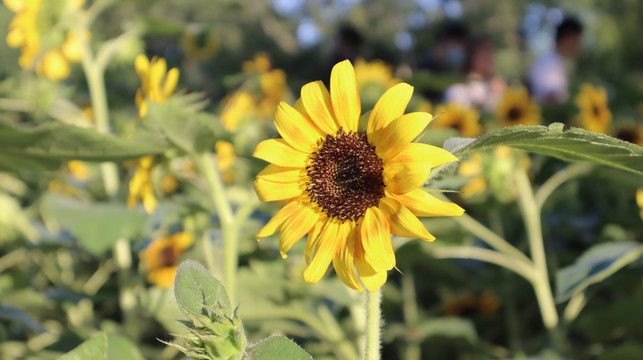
349, 190
474, 169
199, 44
71, 47
516, 107
140, 186
374, 72
156, 84
78, 170
594, 114
273, 87
162, 255
459, 117
260, 64
639, 200
225, 159
236, 106
53, 65
23, 30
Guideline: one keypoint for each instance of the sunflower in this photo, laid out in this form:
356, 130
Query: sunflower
516, 107
156, 84
349, 190
460, 117
161, 257
594, 114
633, 134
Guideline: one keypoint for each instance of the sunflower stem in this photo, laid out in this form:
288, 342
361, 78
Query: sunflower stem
205, 164
540, 282
373, 319
95, 75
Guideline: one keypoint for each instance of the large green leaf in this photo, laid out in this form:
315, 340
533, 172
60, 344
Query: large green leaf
197, 291
104, 347
596, 264
47, 146
182, 122
277, 348
571, 145
96, 226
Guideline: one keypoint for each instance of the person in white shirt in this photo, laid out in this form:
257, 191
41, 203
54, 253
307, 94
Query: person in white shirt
548, 76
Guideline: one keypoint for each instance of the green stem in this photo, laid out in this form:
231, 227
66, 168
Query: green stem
413, 350
373, 318
540, 282
127, 297
572, 171
95, 75
205, 164
490, 256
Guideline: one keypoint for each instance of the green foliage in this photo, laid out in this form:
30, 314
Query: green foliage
104, 347
571, 145
595, 265
45, 147
276, 348
96, 226
199, 292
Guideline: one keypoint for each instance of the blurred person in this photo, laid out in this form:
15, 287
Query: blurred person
548, 77
449, 52
347, 45
482, 88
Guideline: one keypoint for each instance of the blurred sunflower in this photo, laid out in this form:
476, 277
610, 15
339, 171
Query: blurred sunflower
199, 44
633, 134
140, 186
236, 107
225, 159
349, 190
516, 107
79, 170
462, 118
33, 18
260, 63
161, 257
157, 84
373, 78
594, 114
273, 88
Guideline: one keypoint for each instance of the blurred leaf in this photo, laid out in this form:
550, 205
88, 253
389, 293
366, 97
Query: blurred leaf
595, 265
9, 312
45, 147
104, 347
453, 327
182, 122
572, 145
628, 351
276, 348
197, 291
96, 226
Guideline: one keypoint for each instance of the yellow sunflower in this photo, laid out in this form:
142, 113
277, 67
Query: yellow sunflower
594, 114
460, 117
235, 107
161, 257
140, 187
349, 190
633, 134
516, 107
156, 84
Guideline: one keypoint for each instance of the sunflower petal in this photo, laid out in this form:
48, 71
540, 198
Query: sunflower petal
399, 133
403, 222
280, 217
422, 203
344, 263
388, 108
328, 243
375, 234
281, 174
296, 226
271, 191
372, 278
278, 152
313, 238
344, 95
316, 100
171, 81
296, 129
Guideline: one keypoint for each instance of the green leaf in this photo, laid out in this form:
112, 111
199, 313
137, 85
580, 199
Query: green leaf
595, 265
197, 291
96, 226
45, 147
104, 347
277, 348
451, 327
572, 145
182, 122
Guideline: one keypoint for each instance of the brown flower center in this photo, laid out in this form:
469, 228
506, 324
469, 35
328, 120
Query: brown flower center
345, 176
514, 114
167, 256
596, 110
